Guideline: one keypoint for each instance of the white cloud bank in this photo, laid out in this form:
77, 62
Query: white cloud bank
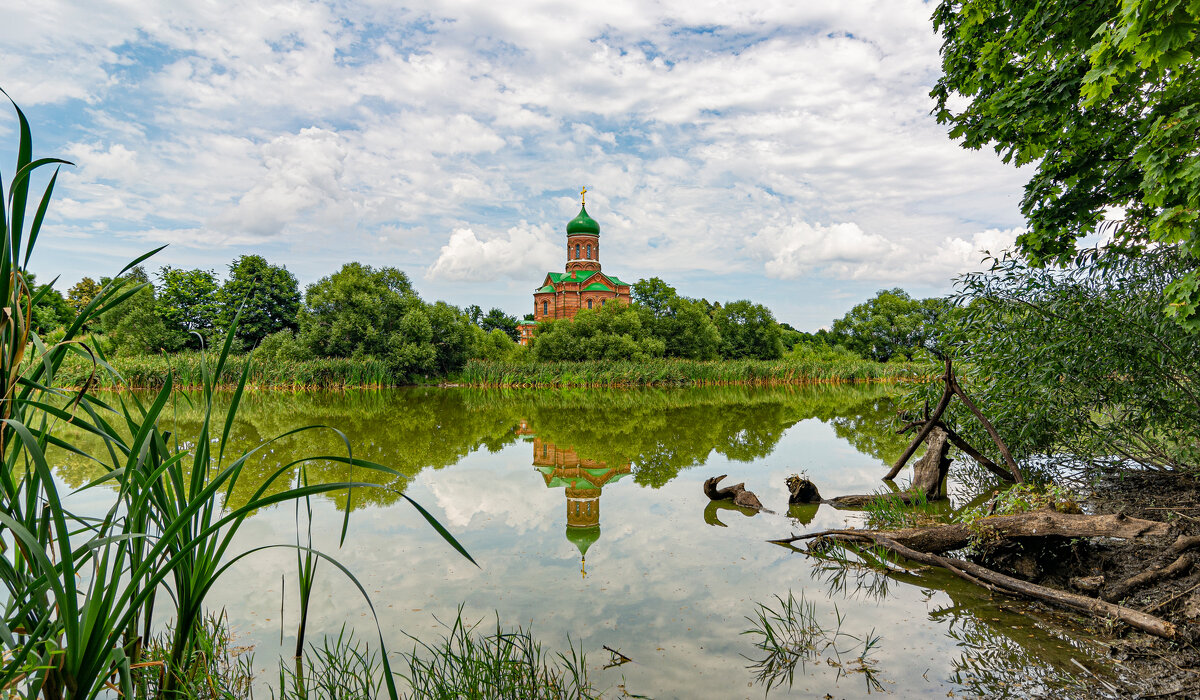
718, 139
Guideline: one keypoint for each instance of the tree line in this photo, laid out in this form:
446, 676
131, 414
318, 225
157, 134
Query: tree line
366, 312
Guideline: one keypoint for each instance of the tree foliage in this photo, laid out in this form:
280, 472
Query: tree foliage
1104, 98
1082, 360
361, 311
682, 324
612, 332
187, 302
748, 330
891, 324
268, 296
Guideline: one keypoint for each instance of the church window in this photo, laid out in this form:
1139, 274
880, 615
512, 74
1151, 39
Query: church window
589, 251
589, 303
576, 251
545, 305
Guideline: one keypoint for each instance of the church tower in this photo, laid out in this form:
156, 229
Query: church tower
583, 240
582, 286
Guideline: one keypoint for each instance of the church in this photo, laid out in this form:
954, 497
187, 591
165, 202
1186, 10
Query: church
583, 285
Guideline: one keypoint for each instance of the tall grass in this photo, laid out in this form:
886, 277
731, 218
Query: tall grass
504, 664
674, 372
81, 590
187, 370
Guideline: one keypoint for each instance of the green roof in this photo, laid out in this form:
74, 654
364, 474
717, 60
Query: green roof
547, 288
583, 537
596, 287
583, 224
618, 282
576, 276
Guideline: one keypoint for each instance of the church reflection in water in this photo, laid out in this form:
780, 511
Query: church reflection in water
582, 481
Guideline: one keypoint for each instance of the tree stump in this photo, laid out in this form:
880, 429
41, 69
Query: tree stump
929, 473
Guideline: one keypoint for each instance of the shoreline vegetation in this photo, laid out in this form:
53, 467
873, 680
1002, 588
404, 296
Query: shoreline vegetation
150, 372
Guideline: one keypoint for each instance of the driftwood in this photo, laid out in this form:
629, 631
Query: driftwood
1158, 570
1000, 583
1040, 523
929, 478
736, 493
933, 422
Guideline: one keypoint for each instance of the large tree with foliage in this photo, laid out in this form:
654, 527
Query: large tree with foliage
268, 296
188, 304
134, 327
891, 324
360, 311
748, 331
682, 324
612, 332
1081, 360
496, 320
1103, 98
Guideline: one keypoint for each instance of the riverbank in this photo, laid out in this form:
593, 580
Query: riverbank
150, 372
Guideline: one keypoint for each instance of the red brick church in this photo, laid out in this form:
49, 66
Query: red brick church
583, 285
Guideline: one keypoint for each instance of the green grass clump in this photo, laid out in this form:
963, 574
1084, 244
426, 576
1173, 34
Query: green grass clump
504, 664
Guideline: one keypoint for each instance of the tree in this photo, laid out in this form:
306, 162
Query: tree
82, 293
497, 320
612, 332
683, 325
1081, 361
134, 326
51, 310
1102, 97
360, 311
268, 296
891, 324
352, 312
748, 331
187, 302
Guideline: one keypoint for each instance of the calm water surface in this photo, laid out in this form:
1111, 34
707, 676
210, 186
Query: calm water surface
585, 512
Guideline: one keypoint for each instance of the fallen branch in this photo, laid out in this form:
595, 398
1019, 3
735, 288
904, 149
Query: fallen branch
998, 582
1175, 569
1039, 523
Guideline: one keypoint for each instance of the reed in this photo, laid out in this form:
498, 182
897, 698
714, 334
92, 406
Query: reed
675, 372
81, 590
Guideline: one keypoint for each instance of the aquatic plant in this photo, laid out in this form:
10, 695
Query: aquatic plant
791, 636
81, 589
499, 665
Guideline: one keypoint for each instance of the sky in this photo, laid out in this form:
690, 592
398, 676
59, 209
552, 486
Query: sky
778, 151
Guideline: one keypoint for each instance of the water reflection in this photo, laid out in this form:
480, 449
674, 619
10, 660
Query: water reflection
582, 481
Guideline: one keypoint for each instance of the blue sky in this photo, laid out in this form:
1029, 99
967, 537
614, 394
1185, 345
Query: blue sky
779, 151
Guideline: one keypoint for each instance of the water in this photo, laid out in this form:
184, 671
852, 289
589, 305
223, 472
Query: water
584, 511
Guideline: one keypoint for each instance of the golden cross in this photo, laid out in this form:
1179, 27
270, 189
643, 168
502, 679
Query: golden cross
583, 195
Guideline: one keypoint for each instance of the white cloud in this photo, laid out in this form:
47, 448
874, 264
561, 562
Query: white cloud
525, 252
716, 139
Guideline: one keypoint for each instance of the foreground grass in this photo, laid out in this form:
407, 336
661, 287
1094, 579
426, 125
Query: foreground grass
150, 372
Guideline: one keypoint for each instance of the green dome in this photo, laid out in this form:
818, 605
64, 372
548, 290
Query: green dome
583, 224
583, 537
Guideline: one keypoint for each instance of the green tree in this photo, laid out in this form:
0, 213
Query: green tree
361, 311
1102, 98
748, 331
82, 293
612, 332
1081, 360
683, 325
891, 324
134, 327
497, 320
51, 310
268, 296
187, 302
352, 312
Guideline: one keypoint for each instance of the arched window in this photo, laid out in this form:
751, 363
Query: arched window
589, 303
589, 251
576, 251
545, 305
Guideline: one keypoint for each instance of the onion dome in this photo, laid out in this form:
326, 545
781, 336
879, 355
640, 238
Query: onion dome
583, 224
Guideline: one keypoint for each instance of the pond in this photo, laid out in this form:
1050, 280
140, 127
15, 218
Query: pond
584, 511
